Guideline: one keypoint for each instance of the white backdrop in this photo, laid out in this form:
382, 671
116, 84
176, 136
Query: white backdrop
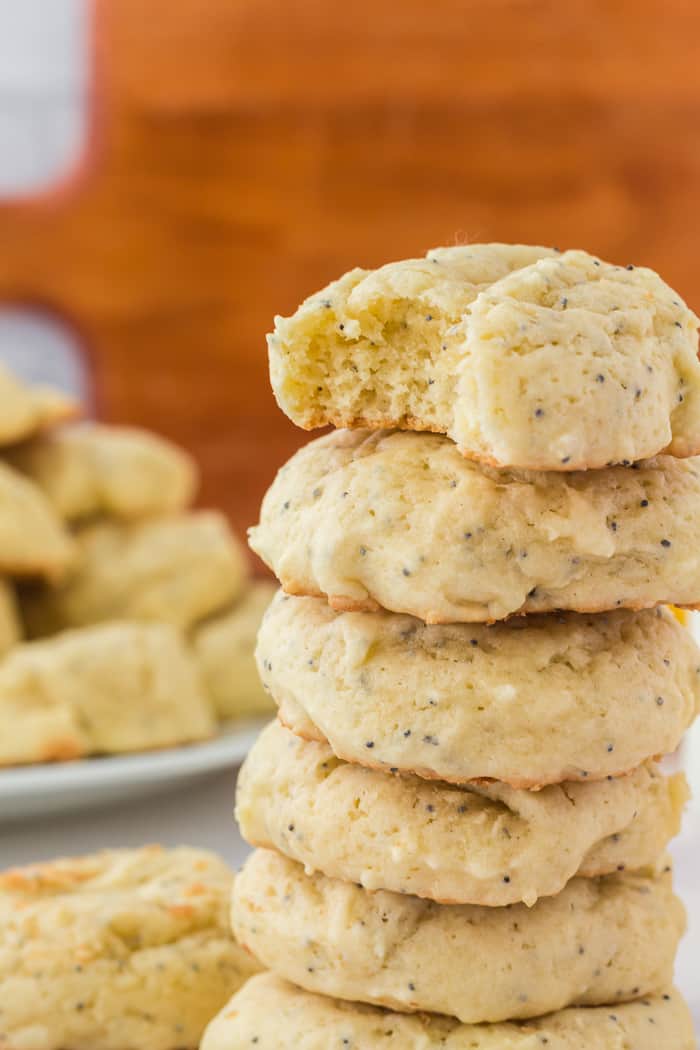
43, 116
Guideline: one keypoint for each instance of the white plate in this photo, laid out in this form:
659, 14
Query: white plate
57, 787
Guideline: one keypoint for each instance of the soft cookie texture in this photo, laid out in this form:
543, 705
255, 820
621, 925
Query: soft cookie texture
476, 844
271, 1014
27, 410
598, 941
178, 570
33, 540
98, 690
402, 521
224, 647
536, 700
122, 950
524, 356
92, 468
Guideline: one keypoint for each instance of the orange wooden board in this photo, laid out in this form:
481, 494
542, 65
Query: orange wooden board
244, 152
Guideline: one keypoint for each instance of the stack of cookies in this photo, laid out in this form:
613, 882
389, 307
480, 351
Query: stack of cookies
460, 818
127, 619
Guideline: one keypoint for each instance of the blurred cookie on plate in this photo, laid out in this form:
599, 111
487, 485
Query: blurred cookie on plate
110, 689
11, 631
177, 569
224, 646
90, 469
27, 409
33, 539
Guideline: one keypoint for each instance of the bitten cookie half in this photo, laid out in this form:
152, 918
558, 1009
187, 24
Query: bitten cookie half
403, 522
224, 647
598, 941
473, 844
93, 468
524, 356
177, 570
533, 701
271, 1014
121, 950
110, 689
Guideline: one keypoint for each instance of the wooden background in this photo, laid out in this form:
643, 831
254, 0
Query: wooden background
243, 152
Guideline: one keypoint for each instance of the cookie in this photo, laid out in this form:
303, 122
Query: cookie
598, 941
114, 688
404, 522
524, 356
91, 468
26, 410
532, 701
10, 623
177, 570
274, 1015
121, 950
224, 647
476, 844
33, 540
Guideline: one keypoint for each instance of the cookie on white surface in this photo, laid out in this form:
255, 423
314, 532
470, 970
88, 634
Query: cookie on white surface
120, 950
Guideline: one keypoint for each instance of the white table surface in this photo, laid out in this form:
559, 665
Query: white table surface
201, 814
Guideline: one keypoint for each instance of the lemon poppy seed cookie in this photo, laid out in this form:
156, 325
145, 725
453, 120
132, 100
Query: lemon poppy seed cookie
33, 540
26, 410
474, 844
598, 941
524, 356
224, 646
121, 950
272, 1014
91, 468
178, 569
114, 688
535, 700
404, 522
